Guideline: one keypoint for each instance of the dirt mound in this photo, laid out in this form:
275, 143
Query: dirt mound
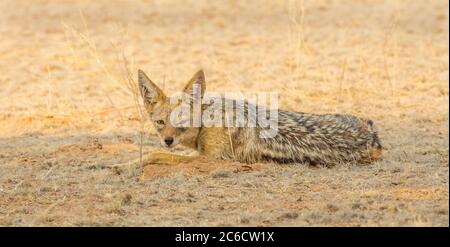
219, 168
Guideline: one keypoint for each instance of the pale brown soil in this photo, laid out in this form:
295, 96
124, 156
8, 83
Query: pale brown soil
66, 113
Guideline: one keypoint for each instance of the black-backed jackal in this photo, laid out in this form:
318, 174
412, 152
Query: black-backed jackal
299, 138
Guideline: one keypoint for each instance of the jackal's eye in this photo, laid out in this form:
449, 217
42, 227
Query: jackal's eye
160, 122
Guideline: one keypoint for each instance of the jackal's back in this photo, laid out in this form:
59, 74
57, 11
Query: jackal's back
309, 138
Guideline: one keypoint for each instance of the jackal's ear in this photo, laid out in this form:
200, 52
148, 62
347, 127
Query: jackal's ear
151, 93
196, 85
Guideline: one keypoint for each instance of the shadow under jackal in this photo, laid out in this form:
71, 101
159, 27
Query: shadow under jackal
300, 137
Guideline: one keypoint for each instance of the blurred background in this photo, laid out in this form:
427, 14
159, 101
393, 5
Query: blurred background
69, 59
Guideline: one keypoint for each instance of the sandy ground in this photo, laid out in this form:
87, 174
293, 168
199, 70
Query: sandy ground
66, 112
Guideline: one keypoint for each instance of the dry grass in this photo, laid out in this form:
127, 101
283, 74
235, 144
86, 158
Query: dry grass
68, 108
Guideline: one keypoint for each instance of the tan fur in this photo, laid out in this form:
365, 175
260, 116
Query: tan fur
376, 153
301, 138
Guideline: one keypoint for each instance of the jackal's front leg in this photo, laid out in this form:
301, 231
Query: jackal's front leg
167, 158
157, 158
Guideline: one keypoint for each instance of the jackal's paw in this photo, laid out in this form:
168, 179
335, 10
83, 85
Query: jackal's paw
125, 165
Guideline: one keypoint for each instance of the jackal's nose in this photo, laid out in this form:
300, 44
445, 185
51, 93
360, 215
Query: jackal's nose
168, 140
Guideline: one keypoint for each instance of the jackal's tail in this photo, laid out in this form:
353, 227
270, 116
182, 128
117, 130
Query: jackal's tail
375, 145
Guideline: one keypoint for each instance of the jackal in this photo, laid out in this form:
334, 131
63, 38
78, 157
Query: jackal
299, 138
